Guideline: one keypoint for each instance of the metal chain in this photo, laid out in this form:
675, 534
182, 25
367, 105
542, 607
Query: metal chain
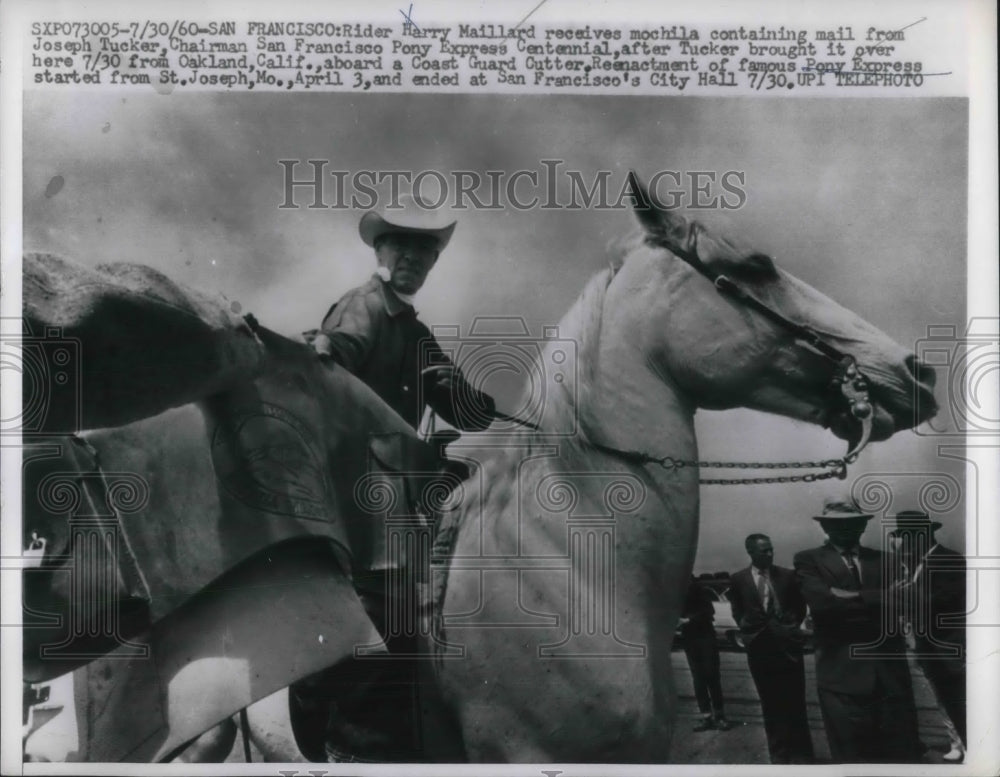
669, 462
810, 477
835, 468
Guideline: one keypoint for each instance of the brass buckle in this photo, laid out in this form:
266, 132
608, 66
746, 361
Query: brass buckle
854, 388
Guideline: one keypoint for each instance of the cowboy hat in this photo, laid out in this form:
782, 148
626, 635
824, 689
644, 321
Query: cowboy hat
914, 519
412, 216
841, 510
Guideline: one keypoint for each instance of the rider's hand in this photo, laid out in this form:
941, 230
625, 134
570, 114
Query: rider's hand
443, 376
322, 345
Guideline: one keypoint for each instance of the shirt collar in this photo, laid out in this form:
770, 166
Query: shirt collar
394, 305
854, 550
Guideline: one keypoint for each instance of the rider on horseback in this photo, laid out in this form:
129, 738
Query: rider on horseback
374, 332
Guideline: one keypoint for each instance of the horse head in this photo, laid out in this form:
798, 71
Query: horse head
724, 350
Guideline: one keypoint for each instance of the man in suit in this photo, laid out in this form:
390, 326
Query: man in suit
768, 607
931, 597
865, 692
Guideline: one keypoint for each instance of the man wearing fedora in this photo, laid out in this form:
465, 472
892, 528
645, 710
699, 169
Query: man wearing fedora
373, 330
931, 597
768, 607
862, 678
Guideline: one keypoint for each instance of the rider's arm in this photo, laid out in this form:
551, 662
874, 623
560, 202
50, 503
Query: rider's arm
351, 331
452, 397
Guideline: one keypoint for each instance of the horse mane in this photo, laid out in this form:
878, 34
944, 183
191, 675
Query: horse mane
563, 400
581, 326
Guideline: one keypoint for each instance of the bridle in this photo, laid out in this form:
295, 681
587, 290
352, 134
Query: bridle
848, 378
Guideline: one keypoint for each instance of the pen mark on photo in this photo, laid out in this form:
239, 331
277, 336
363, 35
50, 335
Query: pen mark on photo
921, 19
408, 16
529, 14
862, 72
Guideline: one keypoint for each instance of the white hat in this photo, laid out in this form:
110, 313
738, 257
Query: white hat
412, 216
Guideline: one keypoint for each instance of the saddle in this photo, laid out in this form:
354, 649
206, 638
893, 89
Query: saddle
370, 709
183, 545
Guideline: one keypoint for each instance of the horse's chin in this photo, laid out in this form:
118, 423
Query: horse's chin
847, 427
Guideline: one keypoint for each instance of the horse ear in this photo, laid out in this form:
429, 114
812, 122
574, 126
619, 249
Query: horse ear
648, 216
665, 225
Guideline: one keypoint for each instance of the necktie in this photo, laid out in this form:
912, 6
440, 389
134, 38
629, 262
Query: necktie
762, 590
766, 591
852, 567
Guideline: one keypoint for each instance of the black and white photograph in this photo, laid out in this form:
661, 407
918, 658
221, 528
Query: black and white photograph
392, 389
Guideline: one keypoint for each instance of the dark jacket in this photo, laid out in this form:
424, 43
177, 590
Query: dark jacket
378, 337
698, 608
753, 620
859, 621
941, 594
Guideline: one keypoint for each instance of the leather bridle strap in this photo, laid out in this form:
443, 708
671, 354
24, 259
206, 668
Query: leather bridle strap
852, 383
725, 285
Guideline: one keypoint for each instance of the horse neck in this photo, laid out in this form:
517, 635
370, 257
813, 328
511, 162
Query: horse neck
620, 399
622, 402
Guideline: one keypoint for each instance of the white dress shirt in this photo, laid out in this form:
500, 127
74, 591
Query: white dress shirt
768, 591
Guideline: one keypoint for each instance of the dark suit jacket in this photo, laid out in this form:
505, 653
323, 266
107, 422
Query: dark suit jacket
748, 609
698, 608
943, 581
840, 623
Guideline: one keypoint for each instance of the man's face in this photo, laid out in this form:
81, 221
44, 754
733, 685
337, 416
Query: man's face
761, 554
912, 542
409, 258
845, 533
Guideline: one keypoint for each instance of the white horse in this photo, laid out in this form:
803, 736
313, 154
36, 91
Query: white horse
655, 341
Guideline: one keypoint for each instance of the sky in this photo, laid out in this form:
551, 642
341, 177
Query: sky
865, 199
